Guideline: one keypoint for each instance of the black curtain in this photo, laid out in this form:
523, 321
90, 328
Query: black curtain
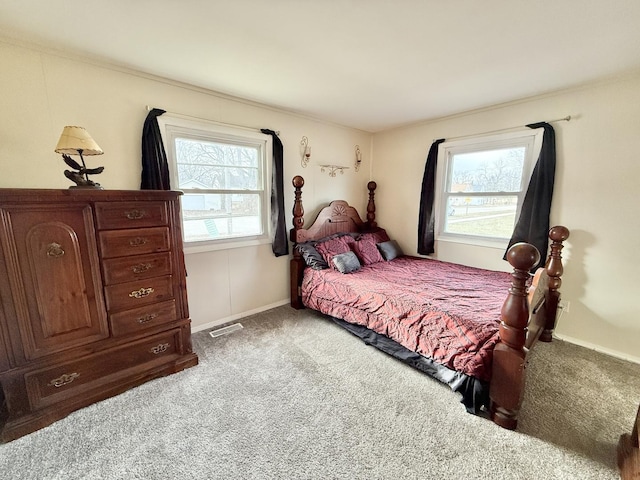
155, 169
533, 224
426, 219
280, 244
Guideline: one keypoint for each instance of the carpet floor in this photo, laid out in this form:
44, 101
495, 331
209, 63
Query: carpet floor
294, 396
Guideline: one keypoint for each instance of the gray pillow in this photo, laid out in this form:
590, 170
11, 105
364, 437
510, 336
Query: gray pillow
346, 262
390, 250
311, 256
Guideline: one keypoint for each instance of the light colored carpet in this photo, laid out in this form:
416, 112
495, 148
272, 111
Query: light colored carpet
293, 396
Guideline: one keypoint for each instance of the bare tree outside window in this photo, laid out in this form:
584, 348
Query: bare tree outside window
217, 165
223, 188
482, 193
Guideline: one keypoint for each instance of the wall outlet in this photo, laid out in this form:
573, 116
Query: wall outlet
564, 305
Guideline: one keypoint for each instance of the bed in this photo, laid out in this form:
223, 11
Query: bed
470, 328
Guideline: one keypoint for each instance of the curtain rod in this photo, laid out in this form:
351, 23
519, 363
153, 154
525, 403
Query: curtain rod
223, 124
563, 119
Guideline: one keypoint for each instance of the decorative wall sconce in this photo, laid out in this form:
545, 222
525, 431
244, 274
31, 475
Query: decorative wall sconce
77, 141
305, 151
358, 157
333, 169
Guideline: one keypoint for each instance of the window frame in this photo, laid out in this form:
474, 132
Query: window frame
175, 126
531, 139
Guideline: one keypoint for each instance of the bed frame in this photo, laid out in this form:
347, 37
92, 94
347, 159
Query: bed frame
629, 452
528, 314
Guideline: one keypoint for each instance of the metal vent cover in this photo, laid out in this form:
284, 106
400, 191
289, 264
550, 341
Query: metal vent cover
234, 327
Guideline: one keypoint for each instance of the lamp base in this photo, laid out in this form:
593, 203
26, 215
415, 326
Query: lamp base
86, 187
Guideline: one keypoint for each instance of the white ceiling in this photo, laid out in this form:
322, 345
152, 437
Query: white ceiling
369, 64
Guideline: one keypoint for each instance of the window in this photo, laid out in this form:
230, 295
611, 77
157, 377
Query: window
483, 186
223, 173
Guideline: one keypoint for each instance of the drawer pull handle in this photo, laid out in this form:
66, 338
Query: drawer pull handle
147, 318
163, 347
143, 292
141, 267
137, 242
64, 379
55, 250
135, 214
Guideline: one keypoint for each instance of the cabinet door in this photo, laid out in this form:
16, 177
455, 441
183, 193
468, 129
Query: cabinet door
55, 277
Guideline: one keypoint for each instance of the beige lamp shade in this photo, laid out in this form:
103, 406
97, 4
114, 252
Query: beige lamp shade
75, 140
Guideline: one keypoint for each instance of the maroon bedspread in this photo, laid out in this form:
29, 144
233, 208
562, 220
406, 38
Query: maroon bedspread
447, 312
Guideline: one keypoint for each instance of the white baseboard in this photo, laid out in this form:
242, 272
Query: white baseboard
598, 348
233, 318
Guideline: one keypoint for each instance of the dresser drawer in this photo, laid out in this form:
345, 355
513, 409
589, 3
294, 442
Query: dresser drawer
136, 319
126, 269
72, 379
125, 296
120, 243
131, 215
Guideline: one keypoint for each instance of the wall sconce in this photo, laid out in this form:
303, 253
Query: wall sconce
358, 157
77, 141
305, 150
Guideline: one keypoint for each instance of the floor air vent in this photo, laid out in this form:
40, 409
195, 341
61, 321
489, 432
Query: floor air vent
234, 327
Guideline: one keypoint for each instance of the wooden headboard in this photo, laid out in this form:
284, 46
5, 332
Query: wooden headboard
336, 217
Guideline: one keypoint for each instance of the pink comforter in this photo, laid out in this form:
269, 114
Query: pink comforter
449, 313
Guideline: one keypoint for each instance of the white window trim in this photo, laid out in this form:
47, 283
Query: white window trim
171, 123
468, 144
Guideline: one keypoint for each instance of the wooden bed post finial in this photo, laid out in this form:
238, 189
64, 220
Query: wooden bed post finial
298, 210
554, 268
371, 206
507, 377
515, 310
296, 265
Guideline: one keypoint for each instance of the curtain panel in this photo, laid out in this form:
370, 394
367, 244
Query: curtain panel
155, 169
533, 224
426, 218
280, 244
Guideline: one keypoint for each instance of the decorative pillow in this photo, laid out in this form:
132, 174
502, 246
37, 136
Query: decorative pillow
390, 250
346, 262
311, 256
380, 235
366, 249
335, 246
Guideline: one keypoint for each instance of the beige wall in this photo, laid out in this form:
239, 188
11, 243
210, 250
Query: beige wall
41, 92
596, 195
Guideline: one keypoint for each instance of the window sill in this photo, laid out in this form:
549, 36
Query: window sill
474, 241
199, 247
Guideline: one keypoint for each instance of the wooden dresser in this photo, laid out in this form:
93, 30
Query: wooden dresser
92, 299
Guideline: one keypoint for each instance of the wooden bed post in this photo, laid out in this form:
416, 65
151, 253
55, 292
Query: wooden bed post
554, 270
296, 265
507, 377
371, 206
629, 452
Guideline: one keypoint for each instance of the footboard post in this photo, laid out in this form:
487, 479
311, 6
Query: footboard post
554, 270
507, 377
296, 265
